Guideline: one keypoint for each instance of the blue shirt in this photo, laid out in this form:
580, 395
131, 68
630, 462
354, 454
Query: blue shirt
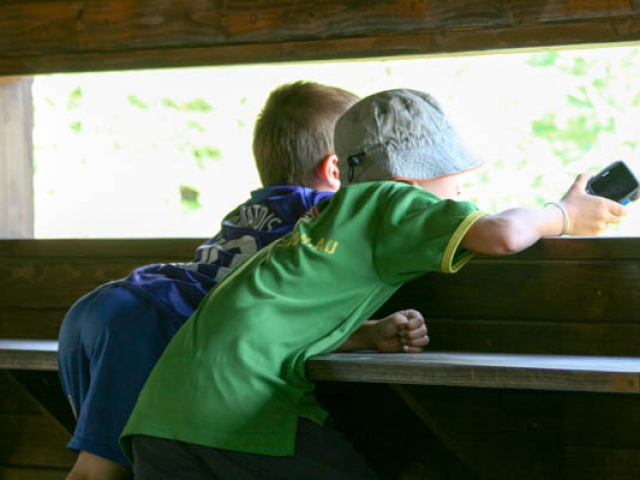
270, 213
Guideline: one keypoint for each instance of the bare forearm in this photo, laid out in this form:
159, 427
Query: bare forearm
513, 230
578, 213
361, 339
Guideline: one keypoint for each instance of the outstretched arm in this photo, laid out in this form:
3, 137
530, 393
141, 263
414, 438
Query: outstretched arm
514, 230
403, 331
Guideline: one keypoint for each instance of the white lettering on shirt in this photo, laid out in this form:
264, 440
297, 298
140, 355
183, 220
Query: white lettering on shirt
258, 217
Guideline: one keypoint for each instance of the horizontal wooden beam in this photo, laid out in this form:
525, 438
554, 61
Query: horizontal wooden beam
28, 354
550, 249
38, 36
531, 372
141, 249
558, 296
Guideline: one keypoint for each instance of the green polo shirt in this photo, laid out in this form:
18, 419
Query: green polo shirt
234, 375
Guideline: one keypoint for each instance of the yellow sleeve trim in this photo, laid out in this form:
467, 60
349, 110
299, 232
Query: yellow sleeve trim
454, 242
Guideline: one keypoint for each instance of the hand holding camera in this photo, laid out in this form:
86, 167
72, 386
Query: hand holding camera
616, 182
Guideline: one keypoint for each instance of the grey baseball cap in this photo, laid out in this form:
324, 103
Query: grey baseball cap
398, 133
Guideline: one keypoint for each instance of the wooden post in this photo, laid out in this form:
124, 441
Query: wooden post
16, 158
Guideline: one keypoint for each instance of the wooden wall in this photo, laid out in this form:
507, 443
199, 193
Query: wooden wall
39, 280
42, 36
566, 293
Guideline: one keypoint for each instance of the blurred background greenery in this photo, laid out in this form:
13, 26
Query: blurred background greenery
166, 153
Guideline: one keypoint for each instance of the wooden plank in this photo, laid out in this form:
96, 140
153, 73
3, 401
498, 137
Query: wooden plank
30, 267
62, 26
28, 354
16, 158
557, 297
144, 250
24, 323
568, 249
539, 372
532, 372
34, 284
38, 36
31, 270
559, 250
515, 335
543, 291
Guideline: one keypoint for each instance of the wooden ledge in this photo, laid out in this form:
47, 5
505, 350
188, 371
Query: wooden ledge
534, 372
28, 354
530, 372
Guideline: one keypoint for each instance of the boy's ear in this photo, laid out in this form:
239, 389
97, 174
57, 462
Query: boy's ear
328, 174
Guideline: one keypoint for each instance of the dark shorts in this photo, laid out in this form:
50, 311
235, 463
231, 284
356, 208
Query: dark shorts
322, 453
109, 341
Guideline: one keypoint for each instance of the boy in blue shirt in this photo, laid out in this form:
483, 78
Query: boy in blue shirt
111, 338
229, 398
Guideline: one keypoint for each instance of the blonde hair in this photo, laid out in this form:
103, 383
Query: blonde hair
294, 131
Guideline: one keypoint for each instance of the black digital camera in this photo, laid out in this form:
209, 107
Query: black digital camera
616, 182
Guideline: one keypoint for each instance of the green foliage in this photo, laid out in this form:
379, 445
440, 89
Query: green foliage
573, 139
544, 59
75, 97
169, 103
591, 106
198, 105
197, 126
534, 119
76, 127
136, 102
202, 154
189, 197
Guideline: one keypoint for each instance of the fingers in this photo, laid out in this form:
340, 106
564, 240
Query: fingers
400, 321
615, 215
605, 212
413, 318
414, 338
414, 334
590, 214
403, 331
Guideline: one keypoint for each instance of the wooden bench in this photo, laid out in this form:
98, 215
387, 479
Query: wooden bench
579, 373
39, 280
532, 369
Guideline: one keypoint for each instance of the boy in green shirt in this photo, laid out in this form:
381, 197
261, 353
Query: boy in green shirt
111, 338
229, 398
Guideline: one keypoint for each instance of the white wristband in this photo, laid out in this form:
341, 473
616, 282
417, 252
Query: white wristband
565, 216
